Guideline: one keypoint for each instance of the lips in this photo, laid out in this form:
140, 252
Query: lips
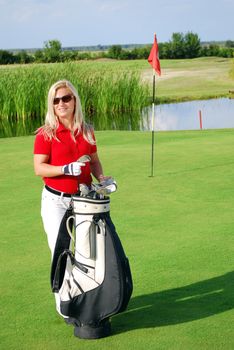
63, 109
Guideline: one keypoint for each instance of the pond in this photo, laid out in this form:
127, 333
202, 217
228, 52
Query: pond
215, 114
206, 114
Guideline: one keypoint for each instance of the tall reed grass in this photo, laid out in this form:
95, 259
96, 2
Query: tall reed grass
107, 92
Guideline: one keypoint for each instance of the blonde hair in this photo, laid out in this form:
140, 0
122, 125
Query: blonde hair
51, 120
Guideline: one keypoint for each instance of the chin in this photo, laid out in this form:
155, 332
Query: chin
65, 115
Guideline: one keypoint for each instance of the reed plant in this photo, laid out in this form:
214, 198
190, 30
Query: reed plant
105, 92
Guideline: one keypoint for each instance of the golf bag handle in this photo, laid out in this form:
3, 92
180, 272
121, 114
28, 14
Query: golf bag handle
68, 225
59, 275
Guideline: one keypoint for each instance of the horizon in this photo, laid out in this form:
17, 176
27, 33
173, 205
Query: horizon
105, 46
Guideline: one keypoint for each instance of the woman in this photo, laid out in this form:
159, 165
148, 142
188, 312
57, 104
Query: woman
59, 143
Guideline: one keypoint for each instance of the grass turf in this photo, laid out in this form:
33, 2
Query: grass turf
176, 228
194, 79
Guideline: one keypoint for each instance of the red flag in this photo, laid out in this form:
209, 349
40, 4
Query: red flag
153, 57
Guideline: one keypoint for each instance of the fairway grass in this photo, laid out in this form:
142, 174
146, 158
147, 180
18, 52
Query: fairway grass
177, 230
193, 79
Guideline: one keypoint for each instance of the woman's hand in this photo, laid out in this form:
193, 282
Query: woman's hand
102, 178
73, 168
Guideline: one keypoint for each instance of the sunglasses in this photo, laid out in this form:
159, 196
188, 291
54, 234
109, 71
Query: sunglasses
65, 99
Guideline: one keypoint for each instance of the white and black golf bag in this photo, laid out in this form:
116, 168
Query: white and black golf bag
93, 278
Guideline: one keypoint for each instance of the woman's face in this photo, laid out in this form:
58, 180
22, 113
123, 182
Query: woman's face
64, 108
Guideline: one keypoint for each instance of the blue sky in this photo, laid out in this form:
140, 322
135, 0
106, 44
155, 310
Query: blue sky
29, 23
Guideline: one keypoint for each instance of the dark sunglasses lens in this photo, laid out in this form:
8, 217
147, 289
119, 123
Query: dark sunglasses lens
65, 99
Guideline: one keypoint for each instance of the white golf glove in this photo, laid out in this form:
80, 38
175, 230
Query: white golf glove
73, 168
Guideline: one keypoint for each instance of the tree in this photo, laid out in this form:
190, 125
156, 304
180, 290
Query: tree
192, 45
213, 50
181, 46
52, 51
68, 55
177, 45
114, 51
23, 57
7, 57
39, 56
165, 50
204, 51
226, 52
229, 43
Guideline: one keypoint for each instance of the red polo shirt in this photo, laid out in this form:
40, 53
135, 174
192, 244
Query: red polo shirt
64, 152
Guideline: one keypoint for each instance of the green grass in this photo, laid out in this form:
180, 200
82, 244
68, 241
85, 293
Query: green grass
176, 228
193, 79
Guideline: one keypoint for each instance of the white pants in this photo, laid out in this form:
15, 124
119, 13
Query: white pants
53, 208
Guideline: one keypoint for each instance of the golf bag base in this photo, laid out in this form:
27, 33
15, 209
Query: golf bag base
103, 329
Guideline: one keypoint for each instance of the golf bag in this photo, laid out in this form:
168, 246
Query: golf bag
93, 278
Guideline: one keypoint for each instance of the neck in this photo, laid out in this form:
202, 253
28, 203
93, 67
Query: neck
67, 123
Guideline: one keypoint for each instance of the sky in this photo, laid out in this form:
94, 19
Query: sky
30, 23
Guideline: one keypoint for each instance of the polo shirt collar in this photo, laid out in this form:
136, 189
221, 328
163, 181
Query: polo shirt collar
62, 128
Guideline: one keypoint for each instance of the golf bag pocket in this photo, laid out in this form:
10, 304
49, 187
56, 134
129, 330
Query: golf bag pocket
77, 284
89, 247
85, 239
84, 235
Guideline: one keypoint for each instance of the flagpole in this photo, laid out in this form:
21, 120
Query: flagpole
154, 61
152, 128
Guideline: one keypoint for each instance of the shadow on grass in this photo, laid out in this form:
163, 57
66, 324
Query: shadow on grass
179, 305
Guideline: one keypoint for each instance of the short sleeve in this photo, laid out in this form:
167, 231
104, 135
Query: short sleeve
41, 145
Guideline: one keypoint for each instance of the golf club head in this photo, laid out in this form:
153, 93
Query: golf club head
107, 182
98, 190
84, 159
84, 190
106, 187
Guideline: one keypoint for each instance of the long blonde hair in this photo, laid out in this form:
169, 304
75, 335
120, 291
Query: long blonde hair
51, 120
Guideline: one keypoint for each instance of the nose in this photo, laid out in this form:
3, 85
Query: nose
61, 101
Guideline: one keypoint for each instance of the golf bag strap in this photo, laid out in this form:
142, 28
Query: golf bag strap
62, 243
59, 273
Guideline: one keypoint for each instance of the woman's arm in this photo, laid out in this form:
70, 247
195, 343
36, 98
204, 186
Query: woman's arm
96, 168
43, 169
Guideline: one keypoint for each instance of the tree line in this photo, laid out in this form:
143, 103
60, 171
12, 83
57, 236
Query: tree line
180, 46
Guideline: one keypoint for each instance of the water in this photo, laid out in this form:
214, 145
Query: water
215, 114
